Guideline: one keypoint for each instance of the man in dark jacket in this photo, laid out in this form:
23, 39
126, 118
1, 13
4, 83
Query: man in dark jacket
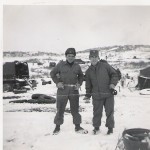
101, 80
68, 77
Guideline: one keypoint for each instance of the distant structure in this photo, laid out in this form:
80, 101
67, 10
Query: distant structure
40, 63
79, 61
52, 64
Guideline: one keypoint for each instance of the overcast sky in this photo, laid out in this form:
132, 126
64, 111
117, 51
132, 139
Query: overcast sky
55, 28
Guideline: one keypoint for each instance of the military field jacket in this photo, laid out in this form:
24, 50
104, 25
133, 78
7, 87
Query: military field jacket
67, 74
98, 80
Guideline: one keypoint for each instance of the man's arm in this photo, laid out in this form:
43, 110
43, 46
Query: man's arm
113, 76
88, 85
55, 73
80, 76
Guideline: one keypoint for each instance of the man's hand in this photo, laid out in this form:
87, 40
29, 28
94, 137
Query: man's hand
77, 87
60, 85
112, 86
87, 99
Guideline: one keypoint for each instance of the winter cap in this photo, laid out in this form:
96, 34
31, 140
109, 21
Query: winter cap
70, 51
94, 53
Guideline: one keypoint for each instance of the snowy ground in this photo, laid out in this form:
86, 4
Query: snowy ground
26, 128
30, 126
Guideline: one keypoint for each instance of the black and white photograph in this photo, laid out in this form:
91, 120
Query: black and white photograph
76, 77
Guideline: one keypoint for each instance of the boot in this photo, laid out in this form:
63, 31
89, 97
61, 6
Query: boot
95, 130
110, 131
57, 129
78, 128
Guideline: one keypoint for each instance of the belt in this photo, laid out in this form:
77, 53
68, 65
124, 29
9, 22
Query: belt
70, 85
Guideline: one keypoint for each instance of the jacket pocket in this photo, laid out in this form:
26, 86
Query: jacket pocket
75, 72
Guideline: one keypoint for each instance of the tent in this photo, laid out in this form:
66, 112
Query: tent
144, 78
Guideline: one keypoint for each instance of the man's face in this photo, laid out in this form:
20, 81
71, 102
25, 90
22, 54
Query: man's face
70, 58
94, 60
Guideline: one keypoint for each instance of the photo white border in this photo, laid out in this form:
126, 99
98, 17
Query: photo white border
51, 2
76, 2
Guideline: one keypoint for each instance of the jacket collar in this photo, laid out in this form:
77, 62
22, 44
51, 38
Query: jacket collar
66, 63
95, 65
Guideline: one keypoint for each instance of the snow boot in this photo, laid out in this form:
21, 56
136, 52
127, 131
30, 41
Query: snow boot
110, 131
56, 130
79, 129
96, 130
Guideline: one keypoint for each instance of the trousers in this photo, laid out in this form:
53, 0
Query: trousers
63, 95
108, 104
